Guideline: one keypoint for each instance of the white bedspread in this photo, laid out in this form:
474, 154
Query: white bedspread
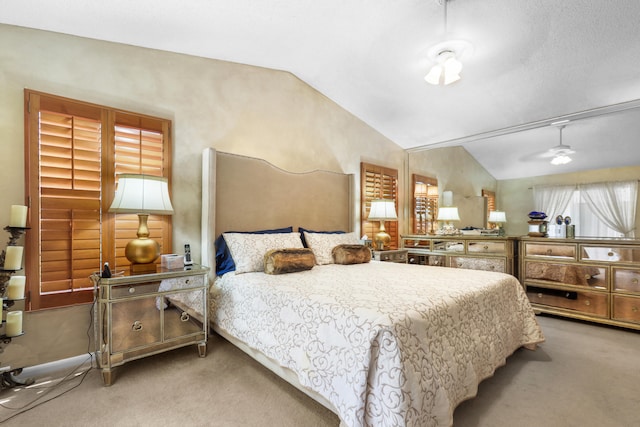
387, 344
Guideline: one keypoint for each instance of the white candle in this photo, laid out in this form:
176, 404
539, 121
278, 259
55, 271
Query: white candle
18, 216
13, 258
1, 306
15, 290
14, 324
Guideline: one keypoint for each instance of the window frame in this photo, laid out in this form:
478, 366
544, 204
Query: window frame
110, 250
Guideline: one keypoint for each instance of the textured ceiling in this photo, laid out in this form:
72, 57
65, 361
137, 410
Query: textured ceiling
533, 61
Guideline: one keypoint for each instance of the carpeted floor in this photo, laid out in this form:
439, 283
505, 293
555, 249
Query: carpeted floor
583, 375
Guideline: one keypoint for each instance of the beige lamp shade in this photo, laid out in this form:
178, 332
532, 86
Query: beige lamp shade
497, 217
448, 213
142, 195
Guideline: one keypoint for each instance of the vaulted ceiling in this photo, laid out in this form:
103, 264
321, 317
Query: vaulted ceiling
533, 63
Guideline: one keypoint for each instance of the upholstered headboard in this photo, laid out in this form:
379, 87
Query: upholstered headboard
242, 193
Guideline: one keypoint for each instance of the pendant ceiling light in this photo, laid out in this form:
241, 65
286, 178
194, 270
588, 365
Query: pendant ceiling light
447, 57
561, 152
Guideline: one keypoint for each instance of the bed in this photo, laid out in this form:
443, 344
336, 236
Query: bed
377, 343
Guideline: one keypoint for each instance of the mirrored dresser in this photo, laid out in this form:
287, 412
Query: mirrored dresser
590, 278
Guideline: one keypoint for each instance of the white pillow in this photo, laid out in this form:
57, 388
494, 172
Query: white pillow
323, 243
247, 250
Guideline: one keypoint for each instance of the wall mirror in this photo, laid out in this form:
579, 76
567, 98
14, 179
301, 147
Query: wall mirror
425, 204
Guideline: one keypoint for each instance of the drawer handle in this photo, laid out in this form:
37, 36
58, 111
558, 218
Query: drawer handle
184, 316
540, 295
492, 267
486, 247
187, 281
587, 302
137, 326
132, 289
610, 254
549, 251
634, 280
634, 309
587, 276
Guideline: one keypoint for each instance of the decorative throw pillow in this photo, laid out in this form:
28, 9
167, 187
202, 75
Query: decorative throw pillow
322, 244
247, 250
303, 230
224, 261
281, 261
351, 254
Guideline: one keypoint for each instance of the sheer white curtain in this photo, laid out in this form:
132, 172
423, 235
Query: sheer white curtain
613, 203
552, 199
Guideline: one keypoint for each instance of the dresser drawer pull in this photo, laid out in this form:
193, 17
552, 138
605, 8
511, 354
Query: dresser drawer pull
184, 316
486, 247
132, 289
549, 251
540, 295
634, 309
610, 254
137, 326
634, 280
187, 281
492, 267
587, 302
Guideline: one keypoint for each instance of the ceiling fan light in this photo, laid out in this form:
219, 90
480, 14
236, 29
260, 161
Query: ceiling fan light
560, 160
434, 75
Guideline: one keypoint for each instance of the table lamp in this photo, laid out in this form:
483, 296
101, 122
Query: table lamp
142, 195
498, 218
448, 214
382, 210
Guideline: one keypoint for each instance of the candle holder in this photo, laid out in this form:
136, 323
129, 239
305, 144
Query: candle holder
5, 275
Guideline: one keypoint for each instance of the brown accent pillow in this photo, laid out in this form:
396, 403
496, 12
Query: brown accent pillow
351, 254
281, 261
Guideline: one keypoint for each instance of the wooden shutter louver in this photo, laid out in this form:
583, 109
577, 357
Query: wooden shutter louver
378, 182
490, 203
70, 201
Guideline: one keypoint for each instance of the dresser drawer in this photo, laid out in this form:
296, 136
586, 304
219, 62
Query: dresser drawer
554, 250
626, 308
590, 276
484, 247
130, 290
626, 279
591, 303
614, 254
448, 245
479, 263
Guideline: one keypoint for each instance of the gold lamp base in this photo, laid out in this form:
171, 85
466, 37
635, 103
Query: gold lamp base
142, 252
382, 237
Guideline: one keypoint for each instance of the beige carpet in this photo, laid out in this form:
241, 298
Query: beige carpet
583, 376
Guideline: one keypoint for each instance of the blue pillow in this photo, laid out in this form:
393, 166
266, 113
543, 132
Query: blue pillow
302, 230
224, 261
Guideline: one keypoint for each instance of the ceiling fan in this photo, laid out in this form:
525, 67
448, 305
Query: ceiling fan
560, 153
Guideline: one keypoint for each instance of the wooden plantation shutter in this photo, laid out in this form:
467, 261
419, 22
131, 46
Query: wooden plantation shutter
378, 182
69, 158
70, 165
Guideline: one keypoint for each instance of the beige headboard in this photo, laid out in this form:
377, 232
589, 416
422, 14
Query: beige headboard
242, 193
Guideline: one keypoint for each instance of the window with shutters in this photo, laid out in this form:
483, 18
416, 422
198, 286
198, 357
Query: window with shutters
378, 182
75, 152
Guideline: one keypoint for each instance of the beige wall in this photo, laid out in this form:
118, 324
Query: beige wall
515, 196
232, 107
457, 171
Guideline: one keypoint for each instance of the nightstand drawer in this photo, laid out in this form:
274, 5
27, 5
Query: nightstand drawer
394, 255
131, 290
135, 323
